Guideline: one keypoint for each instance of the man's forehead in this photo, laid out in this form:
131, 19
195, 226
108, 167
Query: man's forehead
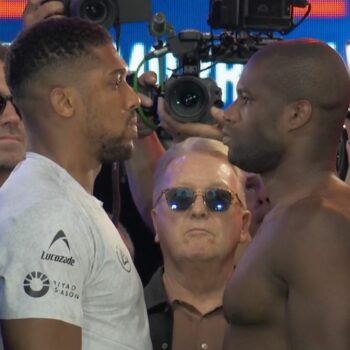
254, 75
180, 167
109, 57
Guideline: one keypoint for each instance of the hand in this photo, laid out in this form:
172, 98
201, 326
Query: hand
218, 115
38, 10
146, 79
180, 131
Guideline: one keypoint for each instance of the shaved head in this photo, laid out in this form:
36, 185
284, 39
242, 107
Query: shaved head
293, 97
306, 69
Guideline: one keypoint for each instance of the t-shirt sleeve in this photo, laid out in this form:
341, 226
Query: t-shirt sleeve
46, 255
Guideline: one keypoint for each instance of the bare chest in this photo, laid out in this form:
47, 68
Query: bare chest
256, 294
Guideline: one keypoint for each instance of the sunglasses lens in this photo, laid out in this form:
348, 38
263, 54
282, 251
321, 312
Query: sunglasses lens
218, 199
179, 199
2, 104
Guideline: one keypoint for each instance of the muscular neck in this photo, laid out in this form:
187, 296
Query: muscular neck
200, 284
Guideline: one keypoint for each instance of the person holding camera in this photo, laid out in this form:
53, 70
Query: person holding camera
148, 150
68, 281
290, 289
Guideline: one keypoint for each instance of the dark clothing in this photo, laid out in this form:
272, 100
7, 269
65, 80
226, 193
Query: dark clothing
159, 311
175, 324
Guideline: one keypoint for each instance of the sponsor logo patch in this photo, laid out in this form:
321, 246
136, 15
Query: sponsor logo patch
36, 284
123, 259
50, 256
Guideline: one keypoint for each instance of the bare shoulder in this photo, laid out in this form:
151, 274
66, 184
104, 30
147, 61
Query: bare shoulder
315, 233
321, 213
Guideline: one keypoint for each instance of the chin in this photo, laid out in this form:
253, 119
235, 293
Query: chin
115, 152
9, 161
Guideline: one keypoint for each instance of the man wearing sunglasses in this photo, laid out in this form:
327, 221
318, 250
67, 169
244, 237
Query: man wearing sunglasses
12, 134
291, 287
199, 216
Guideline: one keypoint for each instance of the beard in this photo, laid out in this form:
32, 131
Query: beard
116, 149
258, 157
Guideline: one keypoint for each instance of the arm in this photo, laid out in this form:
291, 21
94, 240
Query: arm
140, 169
36, 311
40, 334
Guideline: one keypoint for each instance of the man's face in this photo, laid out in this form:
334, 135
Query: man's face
198, 234
252, 129
109, 104
12, 134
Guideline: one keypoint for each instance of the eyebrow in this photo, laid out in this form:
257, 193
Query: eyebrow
241, 90
122, 71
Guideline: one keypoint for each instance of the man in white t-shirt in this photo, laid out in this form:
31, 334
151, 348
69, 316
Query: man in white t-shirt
67, 280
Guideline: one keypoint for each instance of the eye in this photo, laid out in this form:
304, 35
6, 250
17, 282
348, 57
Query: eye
246, 100
118, 79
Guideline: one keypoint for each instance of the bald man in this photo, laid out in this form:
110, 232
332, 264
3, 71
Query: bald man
291, 288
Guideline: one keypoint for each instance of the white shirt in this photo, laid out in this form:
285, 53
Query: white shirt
62, 258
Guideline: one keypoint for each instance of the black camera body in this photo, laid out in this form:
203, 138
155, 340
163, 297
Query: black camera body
254, 15
187, 96
248, 26
109, 12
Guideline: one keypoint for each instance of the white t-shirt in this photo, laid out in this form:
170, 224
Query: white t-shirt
62, 258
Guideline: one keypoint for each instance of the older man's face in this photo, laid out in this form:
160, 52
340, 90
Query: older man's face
12, 134
199, 233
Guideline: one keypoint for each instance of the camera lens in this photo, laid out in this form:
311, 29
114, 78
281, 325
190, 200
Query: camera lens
103, 12
95, 11
186, 98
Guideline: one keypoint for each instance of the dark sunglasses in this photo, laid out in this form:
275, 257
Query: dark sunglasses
3, 102
182, 198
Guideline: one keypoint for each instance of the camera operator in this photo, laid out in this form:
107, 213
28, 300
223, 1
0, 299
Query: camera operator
149, 149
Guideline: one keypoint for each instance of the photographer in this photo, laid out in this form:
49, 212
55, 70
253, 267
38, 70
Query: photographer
149, 149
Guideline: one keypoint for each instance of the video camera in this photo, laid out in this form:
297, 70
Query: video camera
109, 12
248, 25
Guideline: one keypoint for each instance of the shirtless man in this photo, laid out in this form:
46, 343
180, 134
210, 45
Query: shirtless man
291, 288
